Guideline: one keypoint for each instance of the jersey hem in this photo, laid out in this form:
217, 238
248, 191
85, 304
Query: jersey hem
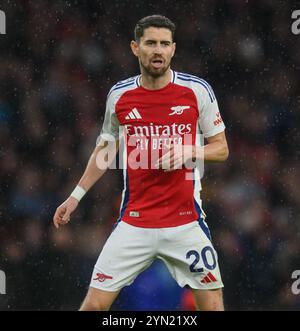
159, 226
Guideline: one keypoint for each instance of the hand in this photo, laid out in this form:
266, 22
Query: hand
63, 212
176, 157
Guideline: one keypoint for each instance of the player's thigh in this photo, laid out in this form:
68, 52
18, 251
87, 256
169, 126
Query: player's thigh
209, 300
190, 256
127, 252
97, 299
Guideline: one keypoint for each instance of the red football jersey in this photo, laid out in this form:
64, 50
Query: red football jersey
151, 120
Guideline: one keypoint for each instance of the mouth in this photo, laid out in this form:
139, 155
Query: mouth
157, 63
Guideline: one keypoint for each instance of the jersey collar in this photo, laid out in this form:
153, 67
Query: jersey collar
173, 76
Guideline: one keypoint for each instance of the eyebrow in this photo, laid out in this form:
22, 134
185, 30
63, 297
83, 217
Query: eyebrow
155, 41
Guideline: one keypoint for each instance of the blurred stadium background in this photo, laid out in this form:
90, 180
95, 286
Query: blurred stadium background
57, 62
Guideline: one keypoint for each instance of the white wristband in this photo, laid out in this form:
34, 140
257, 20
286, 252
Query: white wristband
78, 193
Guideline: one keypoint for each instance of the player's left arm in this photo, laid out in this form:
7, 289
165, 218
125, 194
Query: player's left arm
215, 151
211, 125
178, 155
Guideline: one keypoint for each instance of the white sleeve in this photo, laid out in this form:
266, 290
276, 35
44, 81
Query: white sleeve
210, 120
110, 127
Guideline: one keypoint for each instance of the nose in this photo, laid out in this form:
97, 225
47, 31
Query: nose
158, 49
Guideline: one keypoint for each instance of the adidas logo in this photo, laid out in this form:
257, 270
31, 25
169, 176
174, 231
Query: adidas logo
209, 278
134, 114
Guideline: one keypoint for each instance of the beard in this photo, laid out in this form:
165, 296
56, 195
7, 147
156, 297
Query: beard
153, 72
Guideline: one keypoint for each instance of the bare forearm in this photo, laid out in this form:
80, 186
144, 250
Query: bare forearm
97, 165
99, 161
215, 152
91, 174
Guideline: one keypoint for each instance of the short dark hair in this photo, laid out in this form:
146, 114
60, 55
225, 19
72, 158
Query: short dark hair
156, 21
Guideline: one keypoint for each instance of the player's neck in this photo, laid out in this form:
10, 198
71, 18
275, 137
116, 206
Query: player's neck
157, 83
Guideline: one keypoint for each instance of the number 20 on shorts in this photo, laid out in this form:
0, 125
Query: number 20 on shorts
206, 251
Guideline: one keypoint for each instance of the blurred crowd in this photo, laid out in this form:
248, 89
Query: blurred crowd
58, 61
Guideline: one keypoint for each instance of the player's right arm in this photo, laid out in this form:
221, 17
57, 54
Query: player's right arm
97, 164
95, 169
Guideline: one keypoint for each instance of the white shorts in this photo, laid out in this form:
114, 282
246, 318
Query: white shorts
186, 250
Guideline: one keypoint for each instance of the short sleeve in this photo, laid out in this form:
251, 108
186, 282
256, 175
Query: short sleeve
210, 120
110, 127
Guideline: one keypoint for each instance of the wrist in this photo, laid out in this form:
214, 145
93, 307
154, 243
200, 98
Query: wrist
198, 153
78, 193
